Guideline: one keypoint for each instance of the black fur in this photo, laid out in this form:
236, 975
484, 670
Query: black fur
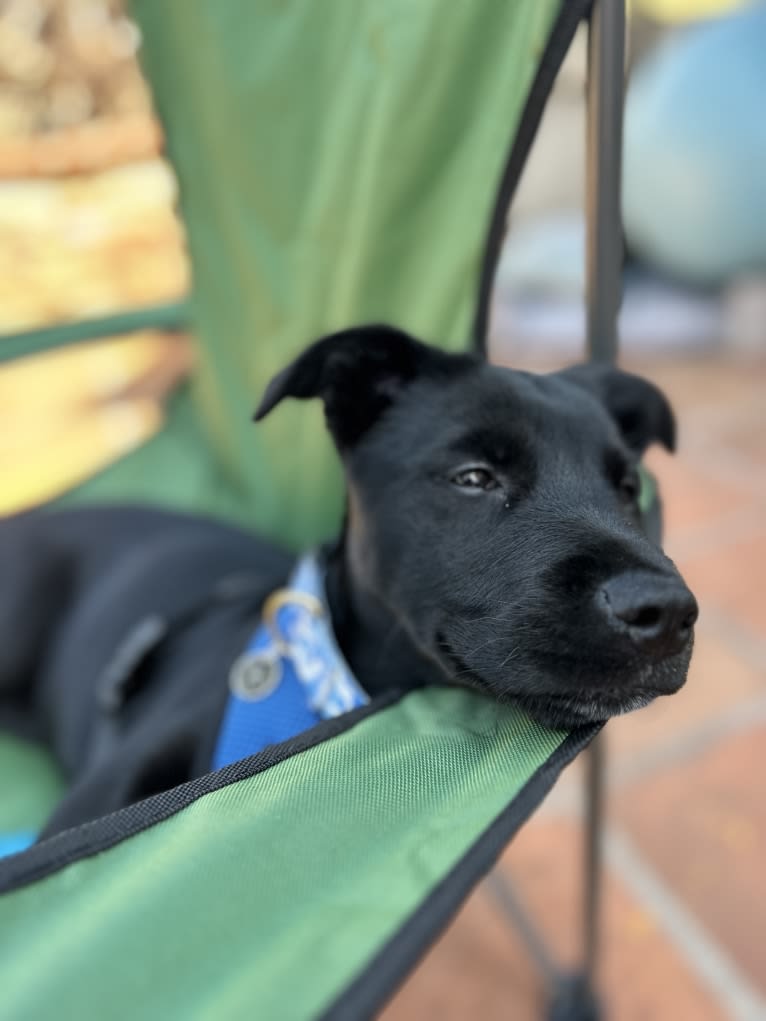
492, 539
357, 381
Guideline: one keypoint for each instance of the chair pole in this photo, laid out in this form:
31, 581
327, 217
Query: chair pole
604, 257
603, 170
595, 765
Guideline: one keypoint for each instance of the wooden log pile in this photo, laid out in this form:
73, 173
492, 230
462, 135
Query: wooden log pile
72, 98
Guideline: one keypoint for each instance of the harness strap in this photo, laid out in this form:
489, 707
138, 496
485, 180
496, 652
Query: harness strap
291, 674
121, 677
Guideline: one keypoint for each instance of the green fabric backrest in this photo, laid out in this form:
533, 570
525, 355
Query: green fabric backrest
277, 890
338, 163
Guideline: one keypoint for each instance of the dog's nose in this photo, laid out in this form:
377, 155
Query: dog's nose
655, 611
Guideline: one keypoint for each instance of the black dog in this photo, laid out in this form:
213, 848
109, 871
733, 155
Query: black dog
491, 539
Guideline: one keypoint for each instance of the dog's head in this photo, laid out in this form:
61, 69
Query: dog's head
495, 514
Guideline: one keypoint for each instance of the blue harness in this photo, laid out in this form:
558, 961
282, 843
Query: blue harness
290, 676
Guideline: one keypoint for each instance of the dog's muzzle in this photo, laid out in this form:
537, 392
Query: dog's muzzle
653, 614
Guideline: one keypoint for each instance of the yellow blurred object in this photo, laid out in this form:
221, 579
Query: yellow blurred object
89, 246
85, 147
63, 62
72, 248
70, 413
674, 11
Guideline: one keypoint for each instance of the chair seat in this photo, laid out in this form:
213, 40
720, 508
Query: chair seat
305, 879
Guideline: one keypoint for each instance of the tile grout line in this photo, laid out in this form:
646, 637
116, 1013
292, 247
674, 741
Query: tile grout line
705, 957
744, 716
734, 527
723, 465
566, 798
747, 644
718, 462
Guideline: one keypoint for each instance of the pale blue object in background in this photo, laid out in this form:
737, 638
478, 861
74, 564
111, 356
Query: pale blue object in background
694, 183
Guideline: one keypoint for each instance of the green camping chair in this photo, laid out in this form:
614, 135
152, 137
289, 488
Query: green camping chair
338, 163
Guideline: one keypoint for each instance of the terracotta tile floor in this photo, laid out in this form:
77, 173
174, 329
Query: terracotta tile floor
684, 910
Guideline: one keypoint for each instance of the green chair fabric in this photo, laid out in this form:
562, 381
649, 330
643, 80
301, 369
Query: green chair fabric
338, 162
306, 880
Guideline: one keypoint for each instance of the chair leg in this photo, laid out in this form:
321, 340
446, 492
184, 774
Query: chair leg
505, 897
573, 997
594, 816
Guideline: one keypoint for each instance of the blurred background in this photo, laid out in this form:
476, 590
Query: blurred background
87, 227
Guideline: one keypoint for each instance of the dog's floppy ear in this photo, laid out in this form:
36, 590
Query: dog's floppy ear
641, 410
358, 373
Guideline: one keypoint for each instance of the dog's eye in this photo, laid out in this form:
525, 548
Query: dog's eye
475, 477
630, 487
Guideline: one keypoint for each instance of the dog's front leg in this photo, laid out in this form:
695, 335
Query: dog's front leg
102, 789
35, 579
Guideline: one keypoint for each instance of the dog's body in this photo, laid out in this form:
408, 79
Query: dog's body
491, 539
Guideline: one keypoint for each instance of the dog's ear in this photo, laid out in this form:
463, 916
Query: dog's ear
358, 373
640, 409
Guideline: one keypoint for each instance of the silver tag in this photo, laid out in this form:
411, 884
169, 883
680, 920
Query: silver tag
255, 675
